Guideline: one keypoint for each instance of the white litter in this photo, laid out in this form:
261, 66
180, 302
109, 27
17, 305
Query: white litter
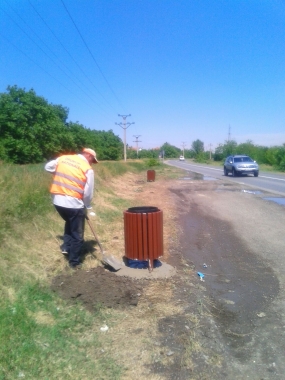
104, 328
261, 315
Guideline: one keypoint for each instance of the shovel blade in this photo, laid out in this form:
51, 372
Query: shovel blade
112, 262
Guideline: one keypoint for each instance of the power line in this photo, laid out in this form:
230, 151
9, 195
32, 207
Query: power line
33, 31
96, 63
43, 69
35, 63
62, 45
39, 47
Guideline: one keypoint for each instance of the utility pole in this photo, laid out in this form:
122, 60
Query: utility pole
183, 146
137, 141
124, 125
210, 152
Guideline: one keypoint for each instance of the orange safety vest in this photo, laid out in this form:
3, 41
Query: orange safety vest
70, 176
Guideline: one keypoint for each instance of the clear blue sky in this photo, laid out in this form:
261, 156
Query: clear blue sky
183, 69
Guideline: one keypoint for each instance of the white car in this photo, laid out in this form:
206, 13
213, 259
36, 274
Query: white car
181, 158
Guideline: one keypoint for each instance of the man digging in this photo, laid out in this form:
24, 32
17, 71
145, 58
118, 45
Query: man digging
72, 191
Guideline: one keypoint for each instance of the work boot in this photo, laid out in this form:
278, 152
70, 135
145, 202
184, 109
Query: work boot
63, 250
75, 267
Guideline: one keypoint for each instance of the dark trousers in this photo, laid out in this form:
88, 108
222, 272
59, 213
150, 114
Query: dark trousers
73, 232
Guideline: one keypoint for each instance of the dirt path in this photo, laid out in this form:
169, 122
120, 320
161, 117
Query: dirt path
240, 238
229, 326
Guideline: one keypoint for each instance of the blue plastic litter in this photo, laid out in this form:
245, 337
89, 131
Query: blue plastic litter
142, 264
201, 275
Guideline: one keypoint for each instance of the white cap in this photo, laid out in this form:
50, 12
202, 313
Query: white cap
92, 152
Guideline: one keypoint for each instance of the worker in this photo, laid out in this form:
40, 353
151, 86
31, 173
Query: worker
72, 192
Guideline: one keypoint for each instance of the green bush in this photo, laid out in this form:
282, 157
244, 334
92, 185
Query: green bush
202, 158
151, 162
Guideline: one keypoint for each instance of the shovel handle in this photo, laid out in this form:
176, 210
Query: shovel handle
94, 233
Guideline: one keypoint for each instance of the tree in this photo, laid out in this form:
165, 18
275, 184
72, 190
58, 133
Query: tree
108, 145
61, 112
189, 153
198, 147
33, 130
170, 151
276, 156
246, 148
223, 151
30, 128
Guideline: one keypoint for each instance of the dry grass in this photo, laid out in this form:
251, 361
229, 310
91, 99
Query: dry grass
135, 336
111, 234
133, 339
37, 251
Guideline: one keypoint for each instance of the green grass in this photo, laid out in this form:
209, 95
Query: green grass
268, 168
107, 169
44, 338
23, 192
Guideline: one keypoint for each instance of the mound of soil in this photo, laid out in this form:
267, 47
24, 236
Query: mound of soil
98, 286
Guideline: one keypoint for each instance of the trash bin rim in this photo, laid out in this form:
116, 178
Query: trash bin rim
143, 209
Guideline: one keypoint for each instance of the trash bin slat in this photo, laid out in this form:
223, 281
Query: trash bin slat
143, 233
150, 174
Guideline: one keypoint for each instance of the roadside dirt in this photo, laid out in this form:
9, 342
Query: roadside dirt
229, 326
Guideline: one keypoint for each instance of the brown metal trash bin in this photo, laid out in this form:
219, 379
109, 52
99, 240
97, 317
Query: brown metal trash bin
150, 175
143, 233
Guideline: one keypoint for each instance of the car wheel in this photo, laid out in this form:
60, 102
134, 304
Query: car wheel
234, 173
256, 174
225, 171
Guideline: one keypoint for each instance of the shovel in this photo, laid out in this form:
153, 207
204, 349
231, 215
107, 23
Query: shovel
106, 259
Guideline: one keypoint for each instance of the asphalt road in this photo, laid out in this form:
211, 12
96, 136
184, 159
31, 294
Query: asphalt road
270, 182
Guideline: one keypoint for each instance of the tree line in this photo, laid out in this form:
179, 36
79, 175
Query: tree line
32, 130
272, 156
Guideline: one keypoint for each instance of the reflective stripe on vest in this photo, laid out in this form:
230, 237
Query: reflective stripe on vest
69, 177
66, 186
